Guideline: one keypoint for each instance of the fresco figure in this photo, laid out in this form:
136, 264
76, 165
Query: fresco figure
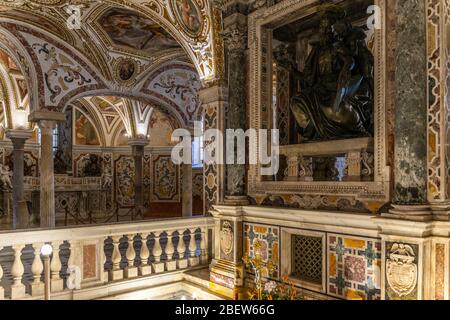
189, 15
137, 32
5, 177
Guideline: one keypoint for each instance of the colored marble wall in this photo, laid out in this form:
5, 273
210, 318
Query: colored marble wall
269, 238
354, 266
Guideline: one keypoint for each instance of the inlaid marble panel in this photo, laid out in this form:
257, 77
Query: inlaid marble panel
354, 266
269, 239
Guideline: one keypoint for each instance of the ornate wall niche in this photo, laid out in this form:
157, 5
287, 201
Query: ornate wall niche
261, 25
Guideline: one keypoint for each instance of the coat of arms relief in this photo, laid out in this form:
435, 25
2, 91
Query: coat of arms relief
226, 239
401, 270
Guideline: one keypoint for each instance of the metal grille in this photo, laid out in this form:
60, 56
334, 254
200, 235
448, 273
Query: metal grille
307, 258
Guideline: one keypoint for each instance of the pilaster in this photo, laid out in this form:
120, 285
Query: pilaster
214, 98
235, 40
410, 200
227, 269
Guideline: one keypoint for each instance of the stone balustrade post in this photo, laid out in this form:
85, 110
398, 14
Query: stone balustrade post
144, 268
131, 271
171, 263
193, 259
203, 243
17, 270
116, 273
57, 283
158, 266
37, 286
182, 262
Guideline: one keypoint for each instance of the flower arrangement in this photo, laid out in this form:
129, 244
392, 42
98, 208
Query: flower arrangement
270, 290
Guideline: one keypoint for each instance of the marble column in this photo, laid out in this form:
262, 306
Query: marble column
187, 190
137, 149
235, 38
410, 165
20, 210
214, 100
47, 121
47, 181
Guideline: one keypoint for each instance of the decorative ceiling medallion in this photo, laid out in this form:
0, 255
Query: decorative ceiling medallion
188, 15
126, 70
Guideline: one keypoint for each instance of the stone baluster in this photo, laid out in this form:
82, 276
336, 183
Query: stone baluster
169, 250
144, 268
193, 259
104, 259
353, 166
2, 291
17, 288
203, 251
37, 286
116, 273
181, 249
158, 266
130, 270
57, 284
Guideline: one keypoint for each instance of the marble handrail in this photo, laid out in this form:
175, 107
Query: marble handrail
124, 251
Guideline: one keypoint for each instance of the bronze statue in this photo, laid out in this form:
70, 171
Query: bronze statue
335, 100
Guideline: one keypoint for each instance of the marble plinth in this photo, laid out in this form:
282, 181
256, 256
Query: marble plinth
130, 272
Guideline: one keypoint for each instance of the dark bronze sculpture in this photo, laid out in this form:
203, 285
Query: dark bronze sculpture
335, 100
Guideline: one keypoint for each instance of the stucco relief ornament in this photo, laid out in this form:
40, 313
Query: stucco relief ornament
235, 40
401, 271
226, 238
5, 178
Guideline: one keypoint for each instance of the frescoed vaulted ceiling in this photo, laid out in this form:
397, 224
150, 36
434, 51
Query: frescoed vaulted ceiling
153, 54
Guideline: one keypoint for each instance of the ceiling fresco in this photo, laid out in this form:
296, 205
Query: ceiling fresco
134, 31
14, 94
159, 52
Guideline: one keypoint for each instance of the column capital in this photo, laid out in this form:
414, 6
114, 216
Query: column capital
213, 93
38, 116
235, 38
139, 141
18, 134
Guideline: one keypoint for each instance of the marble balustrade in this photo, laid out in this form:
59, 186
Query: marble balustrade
101, 254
